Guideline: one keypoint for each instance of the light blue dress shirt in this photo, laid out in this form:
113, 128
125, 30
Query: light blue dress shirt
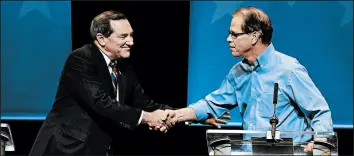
300, 106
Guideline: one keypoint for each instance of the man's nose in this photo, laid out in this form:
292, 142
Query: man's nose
130, 41
228, 39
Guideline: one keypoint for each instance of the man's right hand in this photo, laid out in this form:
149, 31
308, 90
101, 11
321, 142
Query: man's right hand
155, 120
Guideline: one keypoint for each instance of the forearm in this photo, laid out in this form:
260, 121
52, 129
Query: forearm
185, 114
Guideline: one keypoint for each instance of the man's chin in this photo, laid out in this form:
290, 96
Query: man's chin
236, 54
126, 55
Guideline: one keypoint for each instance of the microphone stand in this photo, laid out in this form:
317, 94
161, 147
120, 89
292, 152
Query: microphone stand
274, 135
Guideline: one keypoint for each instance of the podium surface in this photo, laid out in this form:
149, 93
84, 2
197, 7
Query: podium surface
248, 142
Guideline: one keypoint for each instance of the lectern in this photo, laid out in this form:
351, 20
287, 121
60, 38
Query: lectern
247, 142
7, 143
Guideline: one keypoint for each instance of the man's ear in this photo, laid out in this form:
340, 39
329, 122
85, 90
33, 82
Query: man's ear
255, 37
100, 39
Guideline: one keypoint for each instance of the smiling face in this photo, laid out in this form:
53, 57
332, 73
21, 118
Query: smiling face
118, 44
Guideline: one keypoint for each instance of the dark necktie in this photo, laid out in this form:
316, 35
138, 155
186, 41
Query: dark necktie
114, 75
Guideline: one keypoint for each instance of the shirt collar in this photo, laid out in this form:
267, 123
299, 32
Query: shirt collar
264, 58
105, 58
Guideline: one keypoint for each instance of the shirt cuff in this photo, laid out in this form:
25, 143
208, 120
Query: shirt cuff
320, 126
141, 117
200, 109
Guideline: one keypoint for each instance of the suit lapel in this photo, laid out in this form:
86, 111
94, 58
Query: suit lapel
102, 66
99, 59
121, 83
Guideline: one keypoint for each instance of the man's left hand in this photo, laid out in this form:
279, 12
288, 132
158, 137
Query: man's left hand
309, 147
215, 121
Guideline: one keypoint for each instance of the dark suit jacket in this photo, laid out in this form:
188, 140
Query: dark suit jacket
86, 113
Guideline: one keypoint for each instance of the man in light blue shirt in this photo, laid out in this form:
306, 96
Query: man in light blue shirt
250, 84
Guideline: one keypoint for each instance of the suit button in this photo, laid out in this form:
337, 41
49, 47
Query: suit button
124, 125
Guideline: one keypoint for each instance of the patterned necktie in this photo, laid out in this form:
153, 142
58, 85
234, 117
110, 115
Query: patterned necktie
114, 75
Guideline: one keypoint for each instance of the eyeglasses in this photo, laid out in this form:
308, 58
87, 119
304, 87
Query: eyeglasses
235, 35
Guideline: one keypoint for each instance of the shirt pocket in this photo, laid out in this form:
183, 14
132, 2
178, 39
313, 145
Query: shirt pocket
267, 106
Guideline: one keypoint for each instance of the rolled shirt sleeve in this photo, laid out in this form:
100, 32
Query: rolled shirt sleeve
216, 103
309, 99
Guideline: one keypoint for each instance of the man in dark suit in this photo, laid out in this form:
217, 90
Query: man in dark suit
98, 95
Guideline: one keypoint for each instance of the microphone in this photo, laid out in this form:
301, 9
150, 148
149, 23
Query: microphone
274, 120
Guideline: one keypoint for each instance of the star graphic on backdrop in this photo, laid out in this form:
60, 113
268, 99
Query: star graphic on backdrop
291, 3
28, 6
348, 14
224, 8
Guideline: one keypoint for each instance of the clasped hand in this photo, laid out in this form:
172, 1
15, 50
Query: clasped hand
163, 120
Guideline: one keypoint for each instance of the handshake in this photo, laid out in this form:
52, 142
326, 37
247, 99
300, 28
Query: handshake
161, 120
